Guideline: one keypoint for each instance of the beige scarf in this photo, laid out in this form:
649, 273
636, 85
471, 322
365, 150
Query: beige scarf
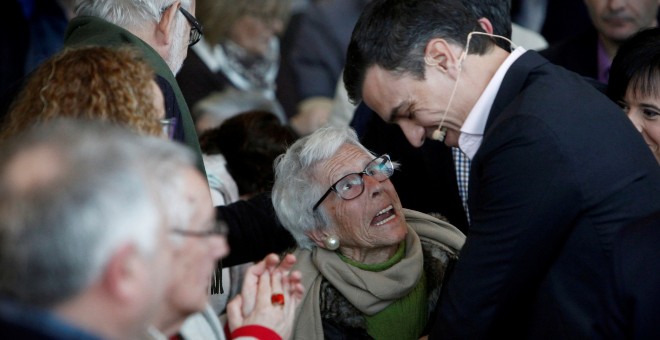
369, 292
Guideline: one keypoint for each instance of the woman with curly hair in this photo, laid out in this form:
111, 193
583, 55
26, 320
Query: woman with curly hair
113, 85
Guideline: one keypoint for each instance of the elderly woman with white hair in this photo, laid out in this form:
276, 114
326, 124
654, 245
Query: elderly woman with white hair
367, 263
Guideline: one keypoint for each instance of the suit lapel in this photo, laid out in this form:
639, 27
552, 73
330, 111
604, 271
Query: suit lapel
512, 84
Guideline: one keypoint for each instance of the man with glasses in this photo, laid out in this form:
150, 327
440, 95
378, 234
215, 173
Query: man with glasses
162, 30
84, 252
96, 243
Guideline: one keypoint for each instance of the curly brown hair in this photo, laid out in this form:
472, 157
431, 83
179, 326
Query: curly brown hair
114, 85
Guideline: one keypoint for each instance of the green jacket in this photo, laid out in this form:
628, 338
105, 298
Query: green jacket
87, 30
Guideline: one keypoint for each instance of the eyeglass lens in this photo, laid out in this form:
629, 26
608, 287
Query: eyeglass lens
195, 28
352, 185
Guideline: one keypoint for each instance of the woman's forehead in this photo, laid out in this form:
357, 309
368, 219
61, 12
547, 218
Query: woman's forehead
348, 159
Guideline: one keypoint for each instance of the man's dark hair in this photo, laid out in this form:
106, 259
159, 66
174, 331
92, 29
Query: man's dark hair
498, 12
393, 34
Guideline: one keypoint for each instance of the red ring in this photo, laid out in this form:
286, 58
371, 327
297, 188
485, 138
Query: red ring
277, 299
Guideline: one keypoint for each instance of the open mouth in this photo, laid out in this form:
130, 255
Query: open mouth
384, 216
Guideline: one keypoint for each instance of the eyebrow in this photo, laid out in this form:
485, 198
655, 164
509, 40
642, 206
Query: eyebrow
395, 111
650, 106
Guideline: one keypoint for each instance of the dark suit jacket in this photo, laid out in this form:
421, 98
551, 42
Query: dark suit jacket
577, 53
632, 302
197, 81
560, 170
318, 51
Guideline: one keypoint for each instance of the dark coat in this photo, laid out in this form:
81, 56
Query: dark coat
197, 81
87, 30
578, 53
632, 300
318, 50
559, 172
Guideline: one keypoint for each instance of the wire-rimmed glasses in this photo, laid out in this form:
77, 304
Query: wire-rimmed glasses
352, 185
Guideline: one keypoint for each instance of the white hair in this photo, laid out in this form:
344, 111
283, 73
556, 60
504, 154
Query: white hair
296, 189
178, 49
57, 235
126, 13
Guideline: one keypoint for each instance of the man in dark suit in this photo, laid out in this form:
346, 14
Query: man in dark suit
556, 170
590, 53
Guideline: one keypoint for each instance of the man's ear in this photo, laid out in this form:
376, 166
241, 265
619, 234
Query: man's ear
120, 277
486, 25
166, 24
438, 53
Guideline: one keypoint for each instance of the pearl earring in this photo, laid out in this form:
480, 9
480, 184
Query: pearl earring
331, 242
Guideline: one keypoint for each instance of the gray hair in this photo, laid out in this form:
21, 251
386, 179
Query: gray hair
58, 232
296, 188
126, 13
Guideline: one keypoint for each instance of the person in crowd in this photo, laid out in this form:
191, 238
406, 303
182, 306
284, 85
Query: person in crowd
590, 53
371, 268
254, 221
197, 244
556, 168
433, 167
83, 251
105, 181
238, 156
114, 85
161, 30
555, 20
316, 57
635, 84
240, 48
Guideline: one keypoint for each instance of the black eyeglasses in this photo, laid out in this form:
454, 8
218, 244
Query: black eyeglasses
352, 185
196, 30
219, 229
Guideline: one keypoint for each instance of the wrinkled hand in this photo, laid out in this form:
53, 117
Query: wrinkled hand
253, 306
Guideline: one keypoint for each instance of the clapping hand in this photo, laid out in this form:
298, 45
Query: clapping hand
269, 297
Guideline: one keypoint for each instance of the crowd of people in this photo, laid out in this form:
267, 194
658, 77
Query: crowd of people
377, 169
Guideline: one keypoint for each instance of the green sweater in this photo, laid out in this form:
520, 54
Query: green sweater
87, 31
411, 310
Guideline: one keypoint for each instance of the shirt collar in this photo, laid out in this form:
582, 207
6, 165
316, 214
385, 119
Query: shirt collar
604, 63
474, 126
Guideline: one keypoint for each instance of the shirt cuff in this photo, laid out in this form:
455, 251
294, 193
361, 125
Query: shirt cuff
255, 331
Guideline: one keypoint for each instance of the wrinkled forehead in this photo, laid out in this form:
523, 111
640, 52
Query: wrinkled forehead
348, 159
